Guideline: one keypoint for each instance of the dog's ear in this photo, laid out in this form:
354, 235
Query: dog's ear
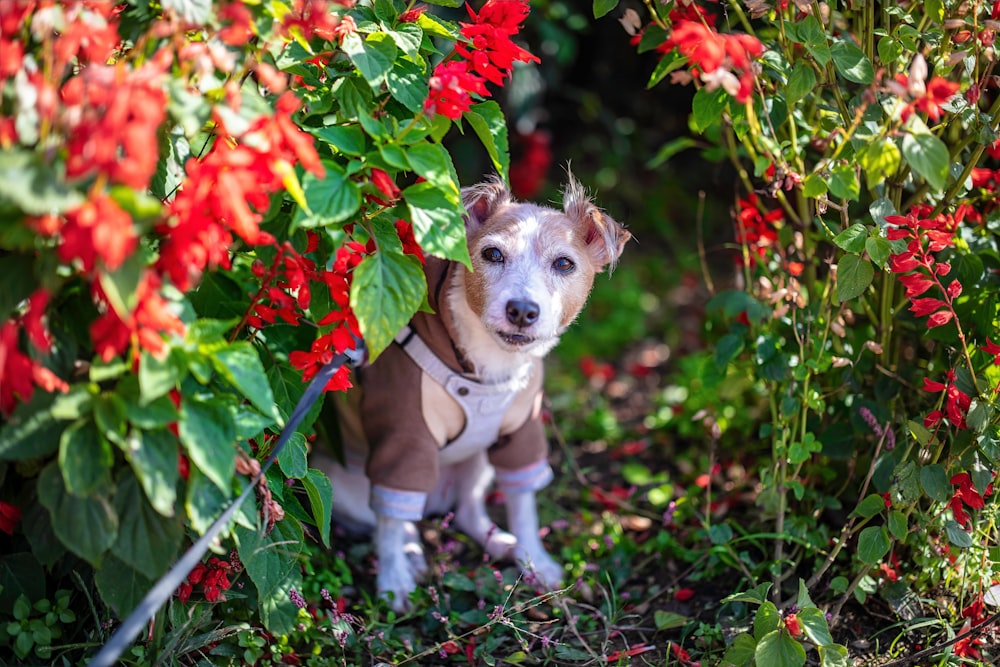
605, 237
483, 200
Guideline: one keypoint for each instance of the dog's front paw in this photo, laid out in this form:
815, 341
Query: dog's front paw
394, 582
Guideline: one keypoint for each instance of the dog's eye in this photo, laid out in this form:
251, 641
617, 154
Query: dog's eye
492, 255
563, 265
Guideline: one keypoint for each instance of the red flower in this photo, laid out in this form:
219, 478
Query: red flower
939, 91
213, 577
966, 648
239, 28
19, 373
684, 594
410, 245
142, 329
9, 516
957, 402
966, 496
97, 229
756, 230
528, 171
451, 87
992, 348
490, 50
112, 116
413, 14
793, 626
725, 60
384, 183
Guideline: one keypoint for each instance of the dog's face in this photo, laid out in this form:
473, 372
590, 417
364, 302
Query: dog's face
533, 266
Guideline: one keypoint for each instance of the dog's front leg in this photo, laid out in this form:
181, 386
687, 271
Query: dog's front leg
400, 560
522, 520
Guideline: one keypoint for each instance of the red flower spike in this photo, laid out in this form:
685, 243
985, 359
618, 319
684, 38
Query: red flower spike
9, 516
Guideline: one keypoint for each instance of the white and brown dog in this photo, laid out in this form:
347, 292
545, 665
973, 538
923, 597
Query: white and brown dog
455, 401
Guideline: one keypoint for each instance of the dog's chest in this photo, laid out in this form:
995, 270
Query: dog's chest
465, 416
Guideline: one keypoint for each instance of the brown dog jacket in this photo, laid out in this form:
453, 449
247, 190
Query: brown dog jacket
419, 400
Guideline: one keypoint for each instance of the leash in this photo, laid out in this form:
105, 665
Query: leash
168, 583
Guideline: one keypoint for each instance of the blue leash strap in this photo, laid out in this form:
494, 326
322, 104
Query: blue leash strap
168, 583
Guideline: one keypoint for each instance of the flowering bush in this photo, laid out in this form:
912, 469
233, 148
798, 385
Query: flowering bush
864, 140
203, 203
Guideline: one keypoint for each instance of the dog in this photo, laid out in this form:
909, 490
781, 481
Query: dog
454, 403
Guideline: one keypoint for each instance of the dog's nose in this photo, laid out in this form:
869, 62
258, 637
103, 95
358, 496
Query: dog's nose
522, 313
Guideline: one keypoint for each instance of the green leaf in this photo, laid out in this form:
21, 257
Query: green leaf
814, 625
157, 377
844, 182
331, 199
85, 458
490, 125
153, 457
121, 587
121, 285
670, 149
21, 575
873, 504
766, 620
756, 595
934, 10
852, 239
271, 561
147, 540
668, 620
437, 222
433, 162
707, 107
878, 249
854, 275
407, 84
667, 64
777, 649
156, 414
31, 430
889, 50
207, 431
408, 37
833, 655
935, 483
320, 492
957, 535
387, 289
741, 652
727, 349
814, 186
239, 364
205, 501
879, 160
801, 82
347, 139
928, 156
897, 525
16, 282
373, 56
813, 36
87, 526
293, 457
602, 7
873, 544
33, 186
851, 62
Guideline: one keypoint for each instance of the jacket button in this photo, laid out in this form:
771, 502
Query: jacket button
463, 391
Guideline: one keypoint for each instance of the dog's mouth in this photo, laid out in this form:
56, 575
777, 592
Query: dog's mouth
514, 339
